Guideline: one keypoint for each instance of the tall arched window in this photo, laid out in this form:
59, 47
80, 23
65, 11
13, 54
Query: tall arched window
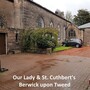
51, 24
72, 34
2, 22
40, 22
59, 33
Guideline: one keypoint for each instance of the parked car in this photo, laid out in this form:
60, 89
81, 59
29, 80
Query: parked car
73, 42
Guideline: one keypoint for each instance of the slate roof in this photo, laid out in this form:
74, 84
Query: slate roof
84, 26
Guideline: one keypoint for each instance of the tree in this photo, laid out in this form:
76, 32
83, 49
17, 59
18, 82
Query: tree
69, 16
82, 17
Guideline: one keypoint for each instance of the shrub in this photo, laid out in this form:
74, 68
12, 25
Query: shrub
39, 38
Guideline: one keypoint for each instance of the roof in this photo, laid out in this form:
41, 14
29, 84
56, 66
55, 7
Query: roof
47, 10
84, 26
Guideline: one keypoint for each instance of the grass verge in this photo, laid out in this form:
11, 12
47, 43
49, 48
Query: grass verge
61, 48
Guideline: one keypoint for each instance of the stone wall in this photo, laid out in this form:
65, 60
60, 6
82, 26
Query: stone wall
7, 10
87, 37
31, 12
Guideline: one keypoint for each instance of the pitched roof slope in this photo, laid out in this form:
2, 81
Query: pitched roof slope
87, 25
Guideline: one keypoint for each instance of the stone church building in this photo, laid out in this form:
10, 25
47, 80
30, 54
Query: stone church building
17, 15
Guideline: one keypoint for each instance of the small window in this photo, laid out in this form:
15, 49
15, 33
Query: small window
40, 22
2, 23
51, 24
16, 36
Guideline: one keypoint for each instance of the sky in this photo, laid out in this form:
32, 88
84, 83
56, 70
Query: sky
65, 5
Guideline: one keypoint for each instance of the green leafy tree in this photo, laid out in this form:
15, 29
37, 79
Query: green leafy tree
82, 17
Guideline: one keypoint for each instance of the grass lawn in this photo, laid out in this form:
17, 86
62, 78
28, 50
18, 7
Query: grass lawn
61, 48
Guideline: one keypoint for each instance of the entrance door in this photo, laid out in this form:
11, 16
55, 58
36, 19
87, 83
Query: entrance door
2, 44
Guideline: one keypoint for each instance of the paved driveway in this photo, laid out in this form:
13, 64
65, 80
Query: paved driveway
83, 52
74, 62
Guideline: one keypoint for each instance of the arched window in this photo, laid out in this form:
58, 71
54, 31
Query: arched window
51, 24
2, 22
72, 34
59, 33
40, 22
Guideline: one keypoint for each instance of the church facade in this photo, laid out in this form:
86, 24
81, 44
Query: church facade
19, 15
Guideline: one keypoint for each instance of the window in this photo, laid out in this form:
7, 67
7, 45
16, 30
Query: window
59, 32
51, 24
72, 34
1, 22
40, 22
16, 36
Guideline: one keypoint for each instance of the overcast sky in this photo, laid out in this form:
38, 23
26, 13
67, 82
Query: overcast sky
65, 5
